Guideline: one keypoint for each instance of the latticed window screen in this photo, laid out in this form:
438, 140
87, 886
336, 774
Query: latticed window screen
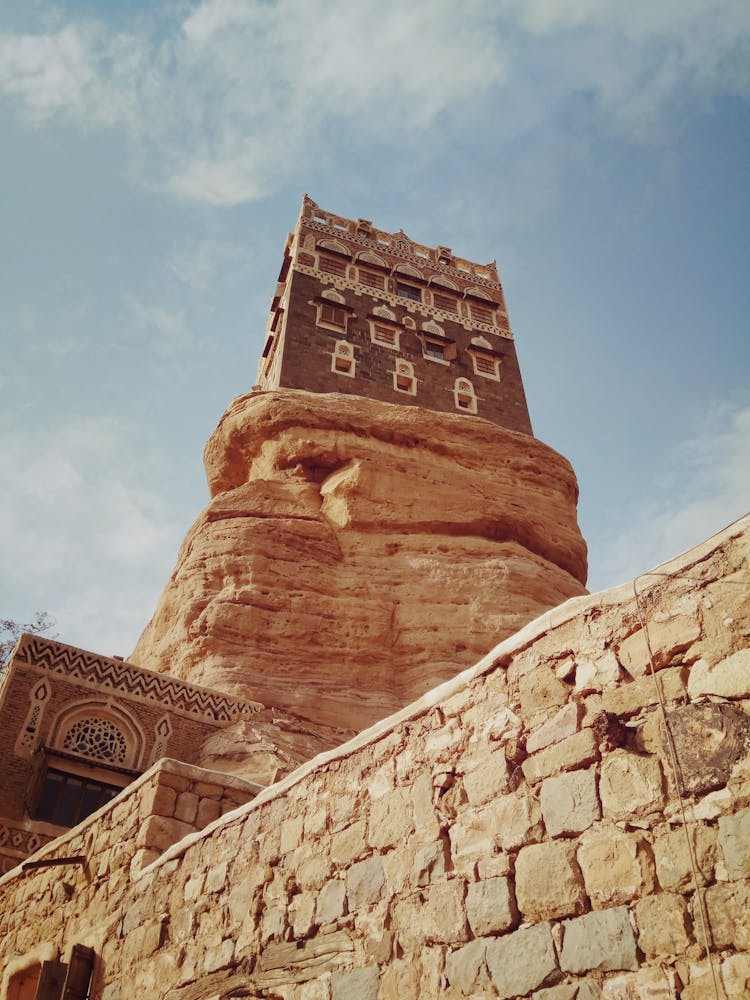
485, 365
98, 739
444, 302
371, 278
332, 265
482, 313
385, 335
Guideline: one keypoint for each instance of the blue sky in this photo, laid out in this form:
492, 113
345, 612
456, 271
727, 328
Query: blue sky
155, 155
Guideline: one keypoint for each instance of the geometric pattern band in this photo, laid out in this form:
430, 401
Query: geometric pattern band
132, 681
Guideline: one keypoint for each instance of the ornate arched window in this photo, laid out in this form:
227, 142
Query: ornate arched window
464, 396
403, 377
97, 739
100, 733
342, 361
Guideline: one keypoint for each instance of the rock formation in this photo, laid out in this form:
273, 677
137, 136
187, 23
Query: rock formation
356, 553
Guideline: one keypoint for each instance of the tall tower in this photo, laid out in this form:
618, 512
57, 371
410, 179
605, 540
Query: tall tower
369, 313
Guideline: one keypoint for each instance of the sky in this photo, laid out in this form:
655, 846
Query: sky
154, 156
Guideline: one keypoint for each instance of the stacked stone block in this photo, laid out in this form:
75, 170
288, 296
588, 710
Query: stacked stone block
521, 831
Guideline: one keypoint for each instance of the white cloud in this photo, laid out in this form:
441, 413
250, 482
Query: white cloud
167, 330
82, 537
200, 263
224, 104
706, 485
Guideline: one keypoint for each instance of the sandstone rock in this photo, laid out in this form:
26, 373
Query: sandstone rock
464, 967
521, 961
563, 723
616, 866
674, 867
487, 780
349, 844
735, 975
548, 881
330, 905
734, 843
516, 819
662, 925
666, 638
729, 678
728, 908
313, 570
490, 906
360, 984
430, 862
632, 698
594, 675
569, 802
539, 690
575, 751
602, 940
583, 989
390, 819
364, 882
630, 785
435, 915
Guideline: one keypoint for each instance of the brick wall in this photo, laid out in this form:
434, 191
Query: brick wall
308, 350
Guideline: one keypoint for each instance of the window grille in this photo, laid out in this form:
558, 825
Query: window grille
482, 313
97, 739
372, 279
332, 265
385, 336
445, 302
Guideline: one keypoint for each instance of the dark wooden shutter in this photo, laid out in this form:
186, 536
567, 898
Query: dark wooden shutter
79, 973
51, 981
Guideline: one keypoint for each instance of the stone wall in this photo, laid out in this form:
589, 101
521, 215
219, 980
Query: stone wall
569, 819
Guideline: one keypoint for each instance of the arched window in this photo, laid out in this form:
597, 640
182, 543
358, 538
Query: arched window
342, 361
403, 377
464, 396
481, 306
486, 360
100, 733
333, 312
97, 739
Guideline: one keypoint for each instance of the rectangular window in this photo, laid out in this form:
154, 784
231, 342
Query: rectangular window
434, 350
484, 314
385, 336
408, 292
66, 799
372, 279
333, 316
485, 366
332, 265
446, 302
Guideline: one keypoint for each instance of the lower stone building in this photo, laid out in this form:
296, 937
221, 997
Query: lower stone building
76, 728
568, 819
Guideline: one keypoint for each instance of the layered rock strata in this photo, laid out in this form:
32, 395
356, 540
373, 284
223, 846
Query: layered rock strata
356, 553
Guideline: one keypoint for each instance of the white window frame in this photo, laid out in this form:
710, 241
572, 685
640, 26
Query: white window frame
460, 392
404, 370
343, 351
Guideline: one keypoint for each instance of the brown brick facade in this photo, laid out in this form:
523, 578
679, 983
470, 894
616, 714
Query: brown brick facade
367, 313
92, 719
